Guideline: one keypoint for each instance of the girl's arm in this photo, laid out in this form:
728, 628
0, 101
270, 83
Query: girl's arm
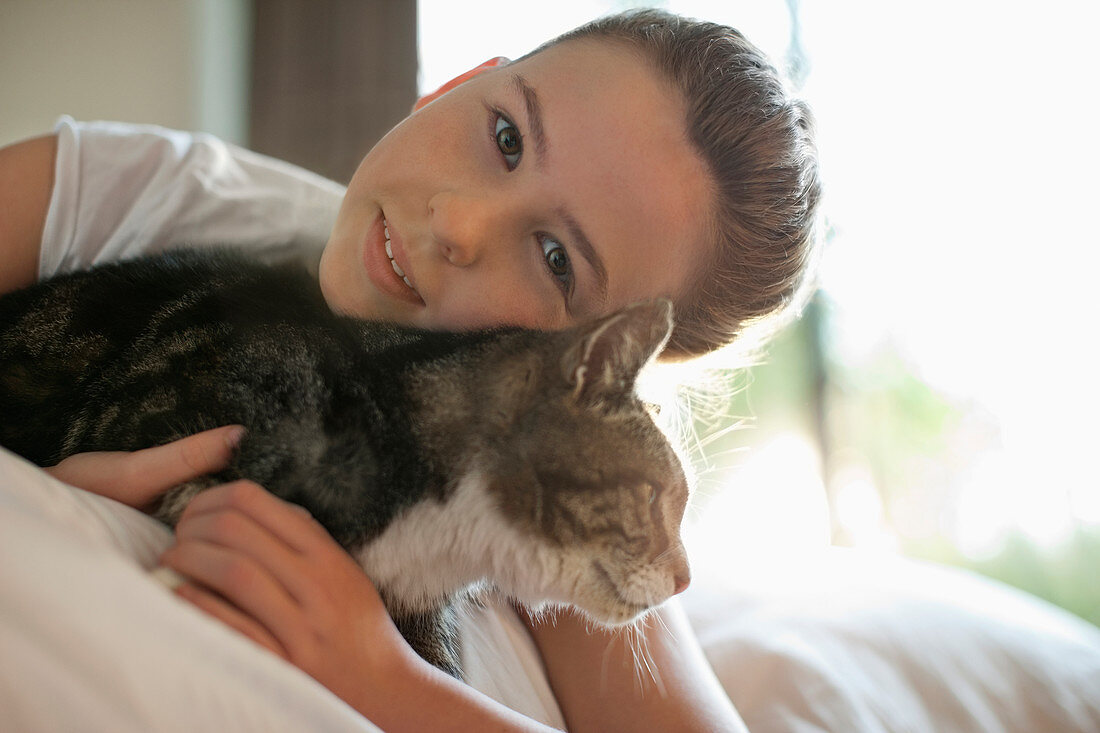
26, 184
266, 568
665, 683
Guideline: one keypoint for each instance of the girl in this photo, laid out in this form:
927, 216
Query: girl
641, 155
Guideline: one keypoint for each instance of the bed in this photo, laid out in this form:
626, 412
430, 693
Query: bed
837, 641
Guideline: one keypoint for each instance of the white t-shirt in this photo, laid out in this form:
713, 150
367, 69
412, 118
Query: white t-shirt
121, 190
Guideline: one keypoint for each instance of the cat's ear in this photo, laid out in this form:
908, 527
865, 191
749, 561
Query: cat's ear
604, 357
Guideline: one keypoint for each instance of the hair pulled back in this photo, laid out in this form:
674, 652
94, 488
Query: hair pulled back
757, 141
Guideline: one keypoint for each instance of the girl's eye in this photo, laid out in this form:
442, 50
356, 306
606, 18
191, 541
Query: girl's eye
557, 260
509, 141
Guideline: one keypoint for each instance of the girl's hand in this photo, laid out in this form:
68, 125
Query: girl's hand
269, 570
138, 478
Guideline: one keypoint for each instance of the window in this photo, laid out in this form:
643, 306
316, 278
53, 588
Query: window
952, 410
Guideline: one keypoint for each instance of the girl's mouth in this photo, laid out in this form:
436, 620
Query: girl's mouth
384, 268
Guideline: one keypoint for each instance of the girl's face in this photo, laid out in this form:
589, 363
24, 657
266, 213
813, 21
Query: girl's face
540, 193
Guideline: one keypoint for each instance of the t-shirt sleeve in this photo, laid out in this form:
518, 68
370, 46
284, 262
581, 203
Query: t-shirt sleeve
122, 190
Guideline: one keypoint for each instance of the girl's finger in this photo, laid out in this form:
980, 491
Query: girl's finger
291, 523
171, 464
140, 477
242, 534
241, 582
228, 614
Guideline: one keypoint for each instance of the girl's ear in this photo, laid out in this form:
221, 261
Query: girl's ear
498, 61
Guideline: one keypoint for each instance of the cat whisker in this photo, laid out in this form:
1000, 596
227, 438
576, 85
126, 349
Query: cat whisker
740, 424
640, 649
603, 668
662, 624
638, 643
620, 634
664, 556
719, 463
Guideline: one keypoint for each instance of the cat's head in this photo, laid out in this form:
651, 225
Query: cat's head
582, 473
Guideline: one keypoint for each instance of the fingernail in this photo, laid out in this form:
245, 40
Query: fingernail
234, 436
301, 509
168, 577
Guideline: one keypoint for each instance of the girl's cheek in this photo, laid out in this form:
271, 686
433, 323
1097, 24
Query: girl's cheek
471, 308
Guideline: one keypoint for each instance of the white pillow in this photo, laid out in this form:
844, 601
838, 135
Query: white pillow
845, 641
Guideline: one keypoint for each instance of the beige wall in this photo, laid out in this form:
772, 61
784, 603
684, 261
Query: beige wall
179, 63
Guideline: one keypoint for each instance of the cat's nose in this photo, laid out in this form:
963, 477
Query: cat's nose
681, 575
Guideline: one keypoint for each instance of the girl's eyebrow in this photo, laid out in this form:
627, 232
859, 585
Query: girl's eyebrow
588, 252
538, 134
534, 116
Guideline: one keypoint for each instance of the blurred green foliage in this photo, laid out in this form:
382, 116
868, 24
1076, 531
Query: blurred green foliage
914, 443
1067, 575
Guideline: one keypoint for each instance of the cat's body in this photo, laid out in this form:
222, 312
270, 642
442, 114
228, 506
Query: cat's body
438, 460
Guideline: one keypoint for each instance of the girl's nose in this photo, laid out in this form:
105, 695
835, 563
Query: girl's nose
461, 225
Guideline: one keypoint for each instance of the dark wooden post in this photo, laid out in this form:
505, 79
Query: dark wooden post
329, 78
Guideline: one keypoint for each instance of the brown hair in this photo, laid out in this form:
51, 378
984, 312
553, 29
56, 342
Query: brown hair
758, 142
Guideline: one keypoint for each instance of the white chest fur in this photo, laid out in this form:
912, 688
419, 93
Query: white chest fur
435, 548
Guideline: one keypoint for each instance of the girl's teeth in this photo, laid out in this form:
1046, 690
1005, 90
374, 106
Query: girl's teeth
389, 253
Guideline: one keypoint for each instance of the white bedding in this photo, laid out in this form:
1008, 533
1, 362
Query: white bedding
90, 642
850, 642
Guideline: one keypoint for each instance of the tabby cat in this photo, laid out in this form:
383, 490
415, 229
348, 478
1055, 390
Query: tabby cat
441, 461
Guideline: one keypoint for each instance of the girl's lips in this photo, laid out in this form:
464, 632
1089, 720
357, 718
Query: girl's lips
378, 266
